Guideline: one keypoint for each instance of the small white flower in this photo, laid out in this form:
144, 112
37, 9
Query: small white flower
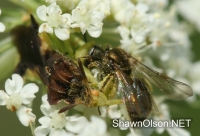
135, 25
130, 41
132, 16
2, 26
190, 10
54, 18
195, 80
88, 15
164, 115
137, 37
16, 95
114, 112
54, 123
96, 127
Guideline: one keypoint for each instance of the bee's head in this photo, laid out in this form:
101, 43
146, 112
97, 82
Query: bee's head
96, 53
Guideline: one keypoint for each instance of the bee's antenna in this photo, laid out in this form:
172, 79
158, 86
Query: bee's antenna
84, 57
85, 37
99, 110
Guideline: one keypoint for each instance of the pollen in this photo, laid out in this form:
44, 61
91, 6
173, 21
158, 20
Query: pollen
13, 109
133, 98
95, 92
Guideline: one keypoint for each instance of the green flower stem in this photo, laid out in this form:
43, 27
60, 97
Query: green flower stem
32, 126
68, 48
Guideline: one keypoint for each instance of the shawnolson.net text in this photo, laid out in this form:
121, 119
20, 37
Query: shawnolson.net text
151, 123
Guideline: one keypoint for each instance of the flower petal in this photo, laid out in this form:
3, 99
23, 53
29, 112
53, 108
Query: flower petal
68, 17
94, 31
44, 99
2, 27
42, 12
28, 92
45, 28
41, 131
139, 39
62, 33
160, 130
114, 112
177, 132
99, 122
142, 7
3, 97
124, 32
93, 127
57, 132
46, 108
58, 119
14, 85
54, 8
25, 115
76, 124
45, 121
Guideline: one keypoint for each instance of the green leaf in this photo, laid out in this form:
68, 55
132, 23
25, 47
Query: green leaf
8, 61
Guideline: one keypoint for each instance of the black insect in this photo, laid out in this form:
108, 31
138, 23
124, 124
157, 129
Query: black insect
65, 80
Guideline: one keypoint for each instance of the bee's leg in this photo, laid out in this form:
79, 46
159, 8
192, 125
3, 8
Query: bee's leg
105, 82
99, 110
95, 64
67, 107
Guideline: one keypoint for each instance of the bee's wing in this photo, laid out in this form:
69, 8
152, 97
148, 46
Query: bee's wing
135, 96
174, 89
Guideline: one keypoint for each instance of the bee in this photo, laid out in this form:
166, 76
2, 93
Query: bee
131, 79
65, 80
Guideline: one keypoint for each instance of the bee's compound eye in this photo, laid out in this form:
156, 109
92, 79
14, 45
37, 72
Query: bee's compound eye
96, 53
95, 92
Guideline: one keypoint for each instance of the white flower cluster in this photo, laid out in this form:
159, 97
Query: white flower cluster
17, 97
54, 123
134, 22
164, 115
88, 16
2, 26
54, 19
141, 28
